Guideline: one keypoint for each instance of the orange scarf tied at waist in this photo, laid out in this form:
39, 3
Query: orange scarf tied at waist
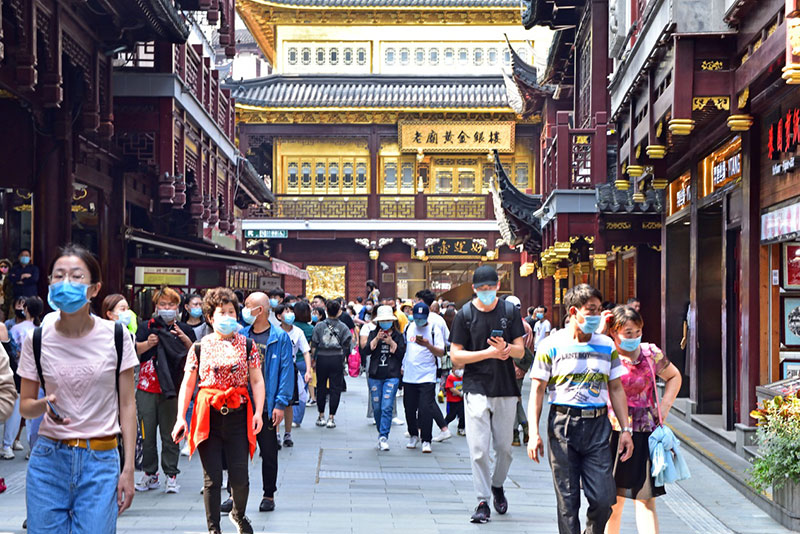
207, 399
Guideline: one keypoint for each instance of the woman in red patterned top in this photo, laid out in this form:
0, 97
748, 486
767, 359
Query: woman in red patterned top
225, 421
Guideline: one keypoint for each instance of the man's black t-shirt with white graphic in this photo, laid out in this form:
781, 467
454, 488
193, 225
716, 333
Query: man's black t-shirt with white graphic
490, 377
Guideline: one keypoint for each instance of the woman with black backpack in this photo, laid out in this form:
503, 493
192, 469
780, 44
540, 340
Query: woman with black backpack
331, 341
85, 366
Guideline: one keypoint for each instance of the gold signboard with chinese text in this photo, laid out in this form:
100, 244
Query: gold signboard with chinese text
456, 136
456, 248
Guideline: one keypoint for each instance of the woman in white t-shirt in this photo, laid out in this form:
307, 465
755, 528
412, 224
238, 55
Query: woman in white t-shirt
74, 483
299, 346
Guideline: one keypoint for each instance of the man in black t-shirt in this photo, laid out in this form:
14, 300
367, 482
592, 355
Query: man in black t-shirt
486, 334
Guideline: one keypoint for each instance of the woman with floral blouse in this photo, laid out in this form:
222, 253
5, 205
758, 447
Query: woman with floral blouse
225, 419
643, 361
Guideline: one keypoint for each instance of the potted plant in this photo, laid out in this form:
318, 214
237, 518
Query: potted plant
778, 462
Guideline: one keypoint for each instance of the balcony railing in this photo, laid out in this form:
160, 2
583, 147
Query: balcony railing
574, 158
421, 206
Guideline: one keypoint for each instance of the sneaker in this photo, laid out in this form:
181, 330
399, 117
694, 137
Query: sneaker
172, 485
185, 450
426, 447
397, 421
440, 397
515, 442
3, 485
412, 442
445, 434
147, 482
25, 524
295, 425
331, 422
525, 436
500, 502
383, 443
482, 513
311, 402
320, 421
287, 440
267, 505
7, 453
18, 446
226, 506
461, 432
242, 524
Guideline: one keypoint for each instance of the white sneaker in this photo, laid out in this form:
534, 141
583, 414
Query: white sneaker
443, 435
426, 447
397, 421
185, 449
18, 446
172, 485
7, 453
383, 444
412, 442
147, 482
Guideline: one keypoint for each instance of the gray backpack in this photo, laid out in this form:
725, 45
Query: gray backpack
330, 341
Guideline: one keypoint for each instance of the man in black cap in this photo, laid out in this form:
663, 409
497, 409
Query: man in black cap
486, 334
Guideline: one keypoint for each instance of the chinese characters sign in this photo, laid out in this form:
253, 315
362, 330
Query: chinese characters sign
680, 193
462, 248
456, 136
784, 135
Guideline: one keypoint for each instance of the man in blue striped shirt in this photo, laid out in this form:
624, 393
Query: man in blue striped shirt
579, 370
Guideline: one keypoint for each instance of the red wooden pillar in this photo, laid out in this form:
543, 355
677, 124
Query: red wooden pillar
374, 144
681, 122
563, 146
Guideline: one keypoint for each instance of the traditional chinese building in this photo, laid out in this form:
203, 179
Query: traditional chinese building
117, 135
378, 132
590, 230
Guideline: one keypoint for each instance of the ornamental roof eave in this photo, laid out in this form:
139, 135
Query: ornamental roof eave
254, 183
611, 200
393, 5
371, 93
555, 14
519, 209
161, 18
530, 95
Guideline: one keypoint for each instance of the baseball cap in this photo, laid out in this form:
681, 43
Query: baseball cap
514, 300
485, 274
421, 310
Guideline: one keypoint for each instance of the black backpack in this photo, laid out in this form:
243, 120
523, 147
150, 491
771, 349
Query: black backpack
508, 312
37, 358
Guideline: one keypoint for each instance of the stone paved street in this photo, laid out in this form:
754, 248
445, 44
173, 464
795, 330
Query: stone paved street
335, 481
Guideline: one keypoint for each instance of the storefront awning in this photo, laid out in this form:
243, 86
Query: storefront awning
201, 250
284, 267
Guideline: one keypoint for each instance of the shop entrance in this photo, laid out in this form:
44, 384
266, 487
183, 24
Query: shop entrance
709, 309
733, 338
450, 280
677, 298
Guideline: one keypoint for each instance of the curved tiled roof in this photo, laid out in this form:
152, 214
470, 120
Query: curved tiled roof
393, 4
372, 91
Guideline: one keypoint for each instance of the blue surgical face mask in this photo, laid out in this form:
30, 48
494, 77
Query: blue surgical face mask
590, 324
196, 312
248, 316
167, 315
540, 316
420, 322
385, 325
25, 260
288, 318
486, 297
67, 296
630, 344
410, 316
314, 318
226, 325
124, 317
273, 303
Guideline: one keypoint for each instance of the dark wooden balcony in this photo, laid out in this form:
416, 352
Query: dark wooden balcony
574, 158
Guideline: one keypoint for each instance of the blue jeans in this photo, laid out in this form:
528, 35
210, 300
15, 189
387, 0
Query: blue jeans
382, 394
71, 490
11, 426
299, 411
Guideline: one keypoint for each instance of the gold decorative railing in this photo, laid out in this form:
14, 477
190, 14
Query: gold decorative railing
395, 207
456, 207
321, 207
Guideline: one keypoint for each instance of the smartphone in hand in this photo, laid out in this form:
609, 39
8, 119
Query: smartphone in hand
54, 413
497, 333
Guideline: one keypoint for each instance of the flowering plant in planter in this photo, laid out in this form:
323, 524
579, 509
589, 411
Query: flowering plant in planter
778, 438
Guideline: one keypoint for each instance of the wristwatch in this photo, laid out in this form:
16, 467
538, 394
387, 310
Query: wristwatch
628, 429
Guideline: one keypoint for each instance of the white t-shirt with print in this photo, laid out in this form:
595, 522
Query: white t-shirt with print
419, 363
540, 331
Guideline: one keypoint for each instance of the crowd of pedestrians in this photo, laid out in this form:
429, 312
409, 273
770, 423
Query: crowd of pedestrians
217, 373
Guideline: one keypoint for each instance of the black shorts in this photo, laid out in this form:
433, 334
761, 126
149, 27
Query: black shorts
633, 476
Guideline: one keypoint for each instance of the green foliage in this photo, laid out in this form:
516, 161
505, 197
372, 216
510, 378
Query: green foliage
778, 438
